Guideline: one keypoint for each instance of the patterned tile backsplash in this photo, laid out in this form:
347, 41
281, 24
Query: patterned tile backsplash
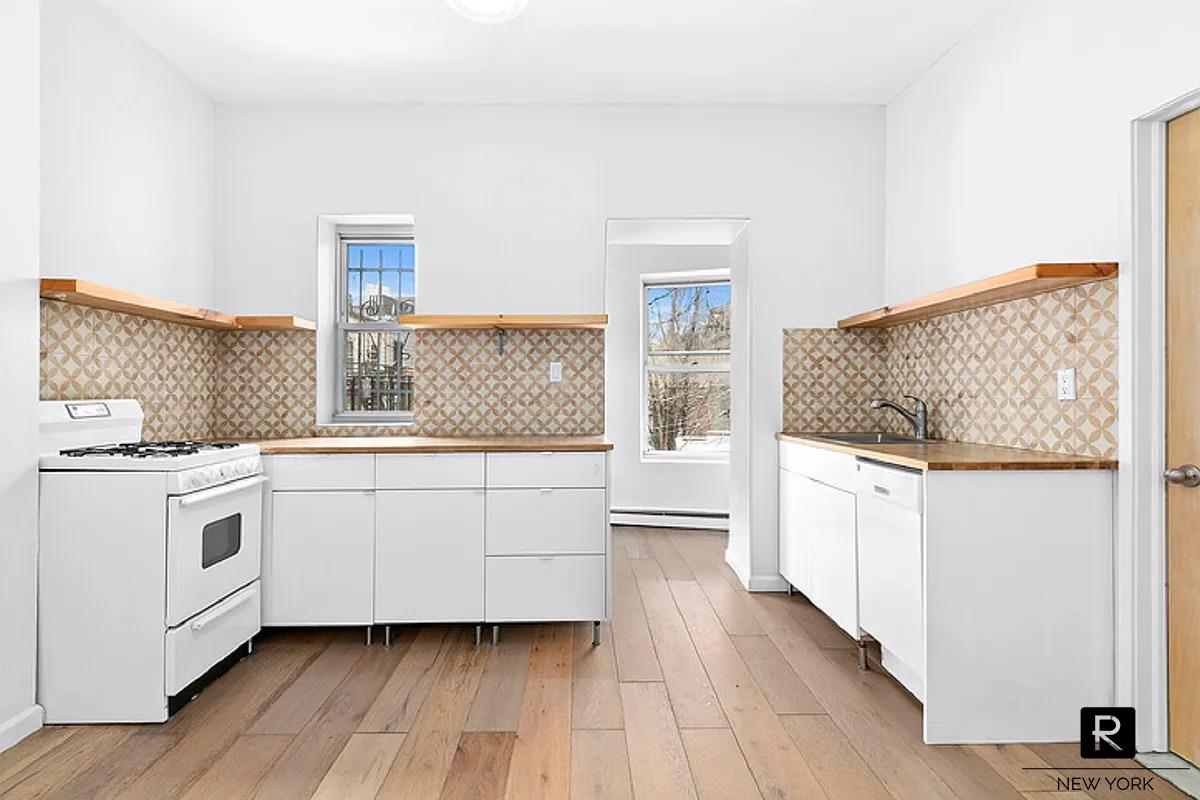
195, 382
988, 374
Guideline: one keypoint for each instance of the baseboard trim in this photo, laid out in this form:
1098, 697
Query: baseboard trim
768, 583
741, 572
664, 519
16, 728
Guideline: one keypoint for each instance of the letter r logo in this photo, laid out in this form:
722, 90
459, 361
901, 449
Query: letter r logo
1107, 733
1100, 734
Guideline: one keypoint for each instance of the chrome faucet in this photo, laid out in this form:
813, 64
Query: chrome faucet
918, 417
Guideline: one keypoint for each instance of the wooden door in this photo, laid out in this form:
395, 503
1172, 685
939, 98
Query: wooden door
1183, 432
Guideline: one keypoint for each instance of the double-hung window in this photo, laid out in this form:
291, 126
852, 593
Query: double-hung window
685, 375
376, 284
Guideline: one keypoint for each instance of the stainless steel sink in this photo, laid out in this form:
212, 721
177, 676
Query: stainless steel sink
869, 438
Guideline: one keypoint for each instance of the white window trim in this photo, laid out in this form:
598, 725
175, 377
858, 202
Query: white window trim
672, 279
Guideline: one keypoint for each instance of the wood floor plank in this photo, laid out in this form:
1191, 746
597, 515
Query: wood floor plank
692, 696
632, 541
776, 764
360, 767
264, 676
480, 767
718, 767
541, 757
595, 697
296, 705
497, 705
110, 776
45, 777
817, 625
658, 764
600, 766
636, 657
33, 747
425, 758
1012, 760
839, 769
397, 705
725, 600
673, 567
300, 769
240, 769
785, 690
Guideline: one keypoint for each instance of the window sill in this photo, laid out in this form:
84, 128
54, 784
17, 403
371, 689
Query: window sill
668, 457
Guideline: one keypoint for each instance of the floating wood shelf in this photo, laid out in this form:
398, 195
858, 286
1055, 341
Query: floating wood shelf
505, 321
83, 293
266, 322
1024, 282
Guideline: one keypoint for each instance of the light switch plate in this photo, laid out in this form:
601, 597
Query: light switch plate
1066, 384
556, 372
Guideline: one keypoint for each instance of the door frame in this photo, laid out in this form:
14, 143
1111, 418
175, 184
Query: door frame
1141, 546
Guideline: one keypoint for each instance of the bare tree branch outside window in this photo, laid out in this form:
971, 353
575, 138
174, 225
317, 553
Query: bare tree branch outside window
687, 367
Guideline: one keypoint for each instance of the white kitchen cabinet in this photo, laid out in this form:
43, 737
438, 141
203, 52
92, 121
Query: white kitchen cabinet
795, 560
429, 556
546, 588
321, 562
546, 521
834, 581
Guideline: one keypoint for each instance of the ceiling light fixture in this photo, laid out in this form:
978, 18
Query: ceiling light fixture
490, 12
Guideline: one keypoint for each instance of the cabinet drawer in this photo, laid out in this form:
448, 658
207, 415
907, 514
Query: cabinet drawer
322, 471
429, 470
529, 521
827, 466
553, 470
545, 588
890, 484
203, 640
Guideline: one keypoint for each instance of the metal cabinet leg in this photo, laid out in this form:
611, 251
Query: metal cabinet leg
369, 630
862, 655
596, 633
387, 635
250, 645
478, 635
495, 635
790, 590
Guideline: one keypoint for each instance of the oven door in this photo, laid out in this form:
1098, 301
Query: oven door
214, 539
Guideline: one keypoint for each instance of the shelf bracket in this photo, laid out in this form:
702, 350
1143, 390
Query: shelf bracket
499, 340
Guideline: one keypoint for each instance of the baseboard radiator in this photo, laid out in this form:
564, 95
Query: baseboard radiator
671, 518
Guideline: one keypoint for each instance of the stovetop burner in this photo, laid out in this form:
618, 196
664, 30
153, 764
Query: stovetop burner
146, 449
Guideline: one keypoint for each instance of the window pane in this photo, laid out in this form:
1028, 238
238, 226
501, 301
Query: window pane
694, 317
688, 412
379, 374
379, 280
692, 360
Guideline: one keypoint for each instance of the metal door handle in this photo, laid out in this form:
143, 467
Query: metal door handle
1185, 475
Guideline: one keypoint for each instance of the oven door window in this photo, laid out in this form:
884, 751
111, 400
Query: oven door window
221, 540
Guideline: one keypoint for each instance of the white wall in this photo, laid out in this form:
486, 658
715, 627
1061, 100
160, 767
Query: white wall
128, 169
510, 204
19, 366
1015, 147
663, 485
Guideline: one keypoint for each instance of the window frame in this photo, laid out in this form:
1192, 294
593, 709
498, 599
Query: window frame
678, 280
346, 237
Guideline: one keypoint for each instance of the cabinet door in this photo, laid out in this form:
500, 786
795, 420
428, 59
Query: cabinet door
429, 556
794, 502
321, 559
834, 582
890, 574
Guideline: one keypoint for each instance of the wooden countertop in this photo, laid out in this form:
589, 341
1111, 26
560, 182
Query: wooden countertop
955, 455
434, 444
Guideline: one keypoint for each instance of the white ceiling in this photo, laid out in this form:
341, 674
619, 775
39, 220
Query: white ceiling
585, 51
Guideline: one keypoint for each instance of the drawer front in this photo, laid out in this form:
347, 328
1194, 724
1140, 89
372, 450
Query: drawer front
545, 589
546, 521
322, 471
203, 640
890, 484
827, 466
429, 470
545, 470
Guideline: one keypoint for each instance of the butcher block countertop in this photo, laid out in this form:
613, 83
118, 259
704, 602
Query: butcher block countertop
435, 444
954, 455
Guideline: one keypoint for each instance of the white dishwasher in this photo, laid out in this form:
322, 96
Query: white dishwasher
890, 567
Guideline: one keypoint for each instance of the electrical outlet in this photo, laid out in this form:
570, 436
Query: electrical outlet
556, 372
1066, 384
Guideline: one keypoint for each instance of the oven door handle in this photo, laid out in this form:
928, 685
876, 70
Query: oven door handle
220, 491
203, 621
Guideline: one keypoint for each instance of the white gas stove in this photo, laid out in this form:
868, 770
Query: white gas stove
149, 562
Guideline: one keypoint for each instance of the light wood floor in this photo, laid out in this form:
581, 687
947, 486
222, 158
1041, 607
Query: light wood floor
698, 690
